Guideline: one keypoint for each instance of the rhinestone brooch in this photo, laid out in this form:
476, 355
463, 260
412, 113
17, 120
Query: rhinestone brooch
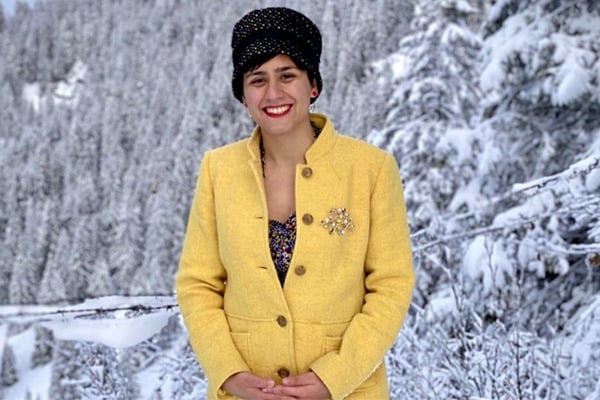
338, 221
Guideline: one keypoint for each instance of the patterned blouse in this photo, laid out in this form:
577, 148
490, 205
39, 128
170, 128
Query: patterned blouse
282, 239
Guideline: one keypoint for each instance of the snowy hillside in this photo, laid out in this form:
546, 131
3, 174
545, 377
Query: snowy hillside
491, 108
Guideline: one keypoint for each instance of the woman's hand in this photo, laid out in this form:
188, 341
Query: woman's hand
247, 386
302, 387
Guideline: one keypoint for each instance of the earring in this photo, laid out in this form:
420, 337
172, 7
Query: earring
314, 93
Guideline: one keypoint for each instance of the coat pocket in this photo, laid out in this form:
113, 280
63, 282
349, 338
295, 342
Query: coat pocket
333, 343
243, 344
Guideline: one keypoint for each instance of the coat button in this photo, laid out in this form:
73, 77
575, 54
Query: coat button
281, 321
300, 270
307, 219
307, 172
283, 373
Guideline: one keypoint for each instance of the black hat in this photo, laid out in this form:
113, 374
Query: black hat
264, 33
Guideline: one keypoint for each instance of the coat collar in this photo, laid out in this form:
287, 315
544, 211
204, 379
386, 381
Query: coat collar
319, 148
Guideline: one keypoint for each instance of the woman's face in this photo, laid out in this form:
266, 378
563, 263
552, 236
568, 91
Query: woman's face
277, 94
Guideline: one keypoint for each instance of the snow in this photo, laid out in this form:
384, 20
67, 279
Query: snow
32, 95
592, 180
442, 303
501, 46
496, 9
469, 196
573, 79
396, 64
487, 262
23, 345
574, 82
460, 5
459, 139
129, 330
536, 205
66, 91
580, 168
581, 343
81, 322
34, 382
3, 329
121, 325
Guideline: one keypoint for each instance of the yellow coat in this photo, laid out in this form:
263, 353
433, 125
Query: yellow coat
345, 296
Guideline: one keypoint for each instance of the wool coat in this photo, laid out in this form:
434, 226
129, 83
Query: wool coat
346, 293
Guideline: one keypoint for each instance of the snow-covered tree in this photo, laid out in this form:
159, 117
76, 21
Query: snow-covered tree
42, 353
8, 372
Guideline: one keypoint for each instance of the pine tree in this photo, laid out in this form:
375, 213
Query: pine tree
8, 372
104, 373
30, 259
435, 99
163, 228
52, 286
42, 353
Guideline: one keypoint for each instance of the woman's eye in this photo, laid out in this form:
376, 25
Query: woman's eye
287, 77
257, 81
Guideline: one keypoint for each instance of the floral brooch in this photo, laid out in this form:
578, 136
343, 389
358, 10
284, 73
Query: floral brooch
338, 220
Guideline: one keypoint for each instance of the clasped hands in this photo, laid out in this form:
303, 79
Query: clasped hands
248, 386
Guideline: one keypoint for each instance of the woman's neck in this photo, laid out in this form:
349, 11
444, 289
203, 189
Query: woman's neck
288, 149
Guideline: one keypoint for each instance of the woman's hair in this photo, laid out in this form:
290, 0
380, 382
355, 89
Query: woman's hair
265, 33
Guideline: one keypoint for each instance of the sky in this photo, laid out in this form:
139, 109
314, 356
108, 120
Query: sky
9, 5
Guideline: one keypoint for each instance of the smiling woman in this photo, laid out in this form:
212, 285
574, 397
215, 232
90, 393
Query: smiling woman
296, 270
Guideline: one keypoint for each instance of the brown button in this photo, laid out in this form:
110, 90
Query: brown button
307, 219
300, 270
283, 373
282, 321
307, 172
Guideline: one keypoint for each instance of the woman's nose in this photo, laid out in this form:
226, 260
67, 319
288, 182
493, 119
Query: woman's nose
274, 90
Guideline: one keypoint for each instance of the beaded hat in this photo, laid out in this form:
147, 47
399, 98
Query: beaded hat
265, 33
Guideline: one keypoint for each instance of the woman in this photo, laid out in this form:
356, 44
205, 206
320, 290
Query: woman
296, 272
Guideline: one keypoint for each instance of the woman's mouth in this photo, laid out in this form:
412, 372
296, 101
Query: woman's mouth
277, 111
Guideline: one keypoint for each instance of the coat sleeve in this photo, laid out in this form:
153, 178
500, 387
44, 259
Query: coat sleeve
200, 286
389, 281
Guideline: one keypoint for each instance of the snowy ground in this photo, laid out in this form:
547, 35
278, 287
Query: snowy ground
114, 321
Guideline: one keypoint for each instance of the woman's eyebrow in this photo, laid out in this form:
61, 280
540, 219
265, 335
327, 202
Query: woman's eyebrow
285, 68
277, 70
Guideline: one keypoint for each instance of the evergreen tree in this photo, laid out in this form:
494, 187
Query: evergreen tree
42, 353
125, 254
163, 228
8, 372
65, 371
435, 99
30, 259
53, 284
104, 373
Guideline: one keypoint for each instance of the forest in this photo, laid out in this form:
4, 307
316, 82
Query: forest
491, 109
